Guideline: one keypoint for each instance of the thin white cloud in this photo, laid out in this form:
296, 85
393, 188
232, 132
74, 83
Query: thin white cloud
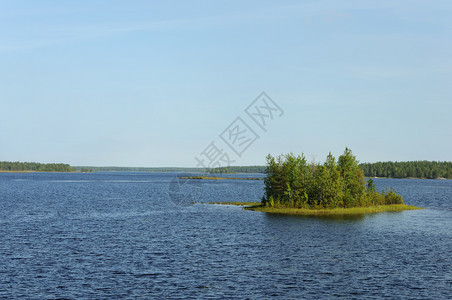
311, 13
57, 35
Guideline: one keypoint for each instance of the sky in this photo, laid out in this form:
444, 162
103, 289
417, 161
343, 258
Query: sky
162, 83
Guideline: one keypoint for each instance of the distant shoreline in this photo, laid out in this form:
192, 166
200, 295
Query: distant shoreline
32, 171
9, 171
441, 178
22, 167
203, 177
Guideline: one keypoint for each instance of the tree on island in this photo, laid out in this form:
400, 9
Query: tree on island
292, 182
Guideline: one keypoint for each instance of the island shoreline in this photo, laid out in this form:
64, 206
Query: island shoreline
360, 210
334, 211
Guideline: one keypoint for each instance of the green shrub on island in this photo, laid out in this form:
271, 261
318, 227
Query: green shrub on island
292, 182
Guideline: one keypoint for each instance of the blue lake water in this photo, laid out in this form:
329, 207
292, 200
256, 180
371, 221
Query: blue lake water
134, 235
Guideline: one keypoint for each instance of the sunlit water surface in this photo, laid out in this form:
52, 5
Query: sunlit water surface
110, 235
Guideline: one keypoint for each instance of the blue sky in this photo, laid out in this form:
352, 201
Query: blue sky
153, 83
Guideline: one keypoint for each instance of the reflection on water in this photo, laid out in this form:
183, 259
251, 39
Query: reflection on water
333, 218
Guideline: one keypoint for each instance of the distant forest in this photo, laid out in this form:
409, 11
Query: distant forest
139, 169
414, 169
36, 167
238, 169
409, 169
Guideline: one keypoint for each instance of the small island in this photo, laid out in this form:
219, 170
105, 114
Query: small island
294, 186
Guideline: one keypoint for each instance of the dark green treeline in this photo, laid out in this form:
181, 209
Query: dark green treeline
237, 169
293, 182
408, 169
32, 166
415, 169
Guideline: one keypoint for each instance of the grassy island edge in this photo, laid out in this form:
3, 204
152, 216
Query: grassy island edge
360, 210
333, 211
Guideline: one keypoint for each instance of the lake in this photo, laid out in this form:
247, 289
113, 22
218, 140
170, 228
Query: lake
136, 235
